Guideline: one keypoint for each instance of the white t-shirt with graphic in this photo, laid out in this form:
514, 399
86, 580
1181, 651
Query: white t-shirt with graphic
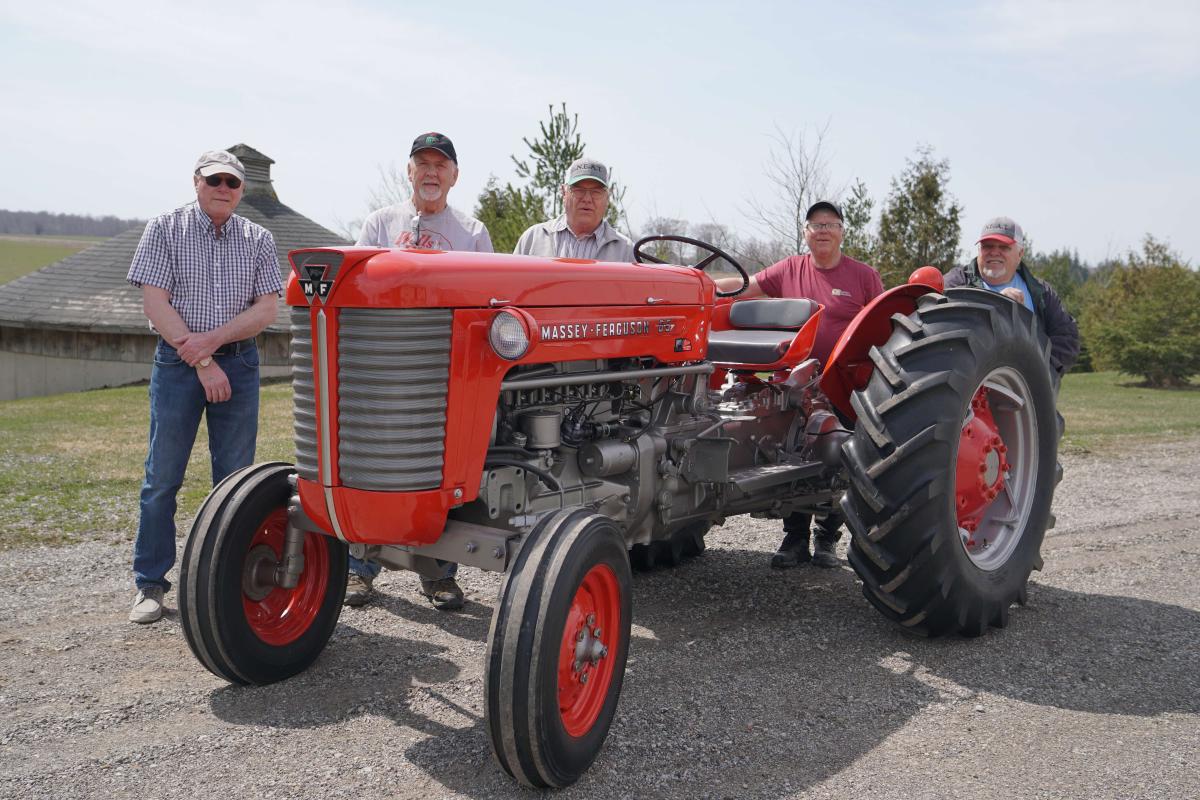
400, 226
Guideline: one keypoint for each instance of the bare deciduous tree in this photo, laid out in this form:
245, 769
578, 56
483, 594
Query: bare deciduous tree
393, 187
798, 170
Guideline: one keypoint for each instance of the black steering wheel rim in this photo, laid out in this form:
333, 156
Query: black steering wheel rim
714, 253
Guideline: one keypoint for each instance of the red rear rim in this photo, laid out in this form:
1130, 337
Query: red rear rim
283, 615
982, 466
585, 660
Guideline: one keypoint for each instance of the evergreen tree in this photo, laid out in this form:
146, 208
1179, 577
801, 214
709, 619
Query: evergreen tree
919, 224
859, 243
507, 211
559, 145
1145, 318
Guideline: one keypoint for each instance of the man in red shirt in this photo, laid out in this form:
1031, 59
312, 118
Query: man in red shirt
843, 286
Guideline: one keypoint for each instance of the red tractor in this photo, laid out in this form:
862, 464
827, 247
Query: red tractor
560, 421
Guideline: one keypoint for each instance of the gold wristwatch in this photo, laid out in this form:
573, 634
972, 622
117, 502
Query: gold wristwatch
204, 362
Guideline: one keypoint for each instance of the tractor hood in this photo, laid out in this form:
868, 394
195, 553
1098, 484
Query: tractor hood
365, 277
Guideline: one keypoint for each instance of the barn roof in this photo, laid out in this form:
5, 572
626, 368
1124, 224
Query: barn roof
88, 290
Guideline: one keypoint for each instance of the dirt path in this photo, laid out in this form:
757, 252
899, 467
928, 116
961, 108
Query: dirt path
743, 682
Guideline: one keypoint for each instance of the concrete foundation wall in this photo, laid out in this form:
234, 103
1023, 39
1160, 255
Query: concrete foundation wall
34, 363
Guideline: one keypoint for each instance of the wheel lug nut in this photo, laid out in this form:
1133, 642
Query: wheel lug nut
579, 638
596, 633
583, 678
591, 620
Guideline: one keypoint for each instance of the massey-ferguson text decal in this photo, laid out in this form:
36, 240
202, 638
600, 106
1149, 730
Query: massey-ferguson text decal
604, 329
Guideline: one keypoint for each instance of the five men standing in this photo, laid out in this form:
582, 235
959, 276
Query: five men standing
210, 278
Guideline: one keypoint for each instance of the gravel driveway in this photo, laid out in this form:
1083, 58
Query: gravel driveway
743, 681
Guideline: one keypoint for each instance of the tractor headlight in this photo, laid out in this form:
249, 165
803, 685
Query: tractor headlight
509, 334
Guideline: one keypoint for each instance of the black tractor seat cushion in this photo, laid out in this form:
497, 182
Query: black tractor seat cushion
748, 347
763, 330
771, 313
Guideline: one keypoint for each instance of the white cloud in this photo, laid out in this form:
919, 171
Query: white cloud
1153, 38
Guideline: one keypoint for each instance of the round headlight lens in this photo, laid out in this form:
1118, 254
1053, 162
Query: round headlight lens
508, 335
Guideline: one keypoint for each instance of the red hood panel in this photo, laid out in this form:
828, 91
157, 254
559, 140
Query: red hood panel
435, 279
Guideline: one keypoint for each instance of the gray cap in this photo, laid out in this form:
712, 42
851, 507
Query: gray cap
1003, 229
587, 169
215, 162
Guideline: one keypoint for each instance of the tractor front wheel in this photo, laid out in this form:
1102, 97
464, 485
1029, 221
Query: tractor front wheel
557, 649
239, 622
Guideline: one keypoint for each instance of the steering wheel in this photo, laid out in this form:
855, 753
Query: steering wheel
714, 253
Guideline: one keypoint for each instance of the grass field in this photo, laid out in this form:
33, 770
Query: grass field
20, 255
71, 465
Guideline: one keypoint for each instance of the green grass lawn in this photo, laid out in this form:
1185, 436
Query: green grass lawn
20, 255
71, 465
1106, 411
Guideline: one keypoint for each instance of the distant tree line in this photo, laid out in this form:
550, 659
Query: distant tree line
45, 223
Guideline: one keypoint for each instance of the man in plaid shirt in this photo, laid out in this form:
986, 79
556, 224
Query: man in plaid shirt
209, 282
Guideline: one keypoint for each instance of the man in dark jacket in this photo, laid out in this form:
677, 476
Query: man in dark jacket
999, 268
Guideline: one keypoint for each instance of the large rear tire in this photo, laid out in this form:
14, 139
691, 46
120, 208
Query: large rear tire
557, 649
238, 621
952, 464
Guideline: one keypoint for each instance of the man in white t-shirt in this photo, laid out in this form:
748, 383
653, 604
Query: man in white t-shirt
425, 221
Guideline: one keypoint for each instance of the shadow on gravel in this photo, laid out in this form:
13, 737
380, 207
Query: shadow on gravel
750, 682
358, 673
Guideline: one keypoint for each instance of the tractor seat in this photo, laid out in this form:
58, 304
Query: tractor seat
762, 330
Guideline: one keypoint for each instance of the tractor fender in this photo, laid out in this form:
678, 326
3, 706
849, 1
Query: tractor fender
849, 366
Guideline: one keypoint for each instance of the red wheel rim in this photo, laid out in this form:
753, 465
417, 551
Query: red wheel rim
586, 659
283, 615
982, 465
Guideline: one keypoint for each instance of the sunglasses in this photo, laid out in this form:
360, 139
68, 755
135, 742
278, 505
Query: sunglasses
230, 181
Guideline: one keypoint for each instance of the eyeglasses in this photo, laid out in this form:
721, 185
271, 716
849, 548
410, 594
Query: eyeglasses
582, 191
230, 181
824, 226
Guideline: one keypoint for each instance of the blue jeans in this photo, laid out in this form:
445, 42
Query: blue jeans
369, 569
176, 405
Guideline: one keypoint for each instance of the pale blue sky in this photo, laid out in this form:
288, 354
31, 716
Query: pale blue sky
1079, 119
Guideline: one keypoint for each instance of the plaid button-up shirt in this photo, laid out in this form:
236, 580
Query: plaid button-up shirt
211, 276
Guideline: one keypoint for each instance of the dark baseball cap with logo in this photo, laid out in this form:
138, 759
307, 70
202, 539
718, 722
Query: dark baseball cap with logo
1003, 229
824, 205
434, 141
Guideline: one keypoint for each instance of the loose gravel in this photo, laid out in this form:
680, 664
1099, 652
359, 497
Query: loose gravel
742, 682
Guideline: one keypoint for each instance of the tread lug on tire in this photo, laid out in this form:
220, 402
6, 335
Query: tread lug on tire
237, 622
947, 527
557, 649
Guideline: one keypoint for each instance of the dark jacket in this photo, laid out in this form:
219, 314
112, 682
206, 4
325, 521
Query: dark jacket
1059, 325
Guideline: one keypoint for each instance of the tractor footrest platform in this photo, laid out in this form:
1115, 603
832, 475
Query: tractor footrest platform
754, 479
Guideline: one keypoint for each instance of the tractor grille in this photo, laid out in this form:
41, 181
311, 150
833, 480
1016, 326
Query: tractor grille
304, 396
393, 372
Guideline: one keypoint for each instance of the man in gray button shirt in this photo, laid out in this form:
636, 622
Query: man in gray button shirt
582, 231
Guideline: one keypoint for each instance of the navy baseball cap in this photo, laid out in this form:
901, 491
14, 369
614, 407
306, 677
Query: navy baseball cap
434, 141
823, 205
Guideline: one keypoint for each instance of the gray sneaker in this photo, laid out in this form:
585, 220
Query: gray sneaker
147, 606
358, 590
